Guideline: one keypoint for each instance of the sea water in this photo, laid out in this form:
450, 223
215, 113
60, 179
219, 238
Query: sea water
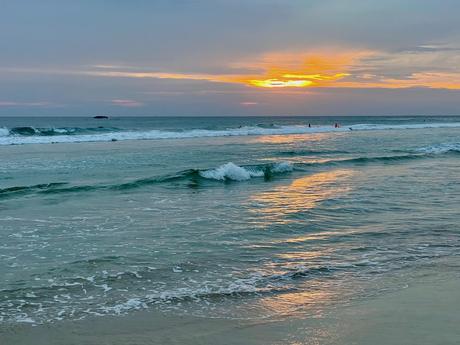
236, 217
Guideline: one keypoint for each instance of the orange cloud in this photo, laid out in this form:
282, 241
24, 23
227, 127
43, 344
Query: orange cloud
434, 80
337, 68
300, 69
431, 80
273, 70
279, 83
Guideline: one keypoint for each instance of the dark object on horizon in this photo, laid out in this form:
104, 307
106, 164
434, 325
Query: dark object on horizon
100, 117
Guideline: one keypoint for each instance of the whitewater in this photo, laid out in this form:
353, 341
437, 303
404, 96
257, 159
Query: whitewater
31, 135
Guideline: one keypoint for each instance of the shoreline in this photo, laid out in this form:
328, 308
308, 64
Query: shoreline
425, 313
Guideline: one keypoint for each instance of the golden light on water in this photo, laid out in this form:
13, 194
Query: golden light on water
293, 138
325, 235
276, 205
305, 301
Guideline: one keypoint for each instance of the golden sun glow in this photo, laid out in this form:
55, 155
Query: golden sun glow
273, 70
280, 83
316, 68
300, 70
296, 80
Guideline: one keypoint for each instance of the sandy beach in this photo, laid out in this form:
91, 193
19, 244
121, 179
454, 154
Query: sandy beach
426, 313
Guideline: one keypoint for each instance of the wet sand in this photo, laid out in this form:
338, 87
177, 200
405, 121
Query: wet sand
426, 313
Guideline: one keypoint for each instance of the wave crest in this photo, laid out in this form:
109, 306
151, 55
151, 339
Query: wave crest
227, 172
31, 135
440, 148
231, 171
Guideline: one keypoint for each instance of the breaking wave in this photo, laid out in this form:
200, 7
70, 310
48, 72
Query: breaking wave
441, 148
228, 172
231, 171
30, 131
32, 135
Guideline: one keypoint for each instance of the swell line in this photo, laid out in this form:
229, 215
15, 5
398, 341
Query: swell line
228, 172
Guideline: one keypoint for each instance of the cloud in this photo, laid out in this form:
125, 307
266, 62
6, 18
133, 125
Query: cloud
129, 103
430, 68
271, 70
24, 104
433, 66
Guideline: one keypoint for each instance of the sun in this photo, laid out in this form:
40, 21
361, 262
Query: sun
272, 83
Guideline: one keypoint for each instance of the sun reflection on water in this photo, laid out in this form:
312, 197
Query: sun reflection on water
325, 235
306, 301
292, 138
277, 206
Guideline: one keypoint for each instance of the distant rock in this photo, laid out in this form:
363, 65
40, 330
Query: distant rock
100, 117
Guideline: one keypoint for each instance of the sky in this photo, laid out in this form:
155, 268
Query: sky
234, 57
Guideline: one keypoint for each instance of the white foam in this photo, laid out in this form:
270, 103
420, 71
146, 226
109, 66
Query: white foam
131, 304
4, 132
61, 130
24, 319
231, 171
6, 139
441, 148
370, 126
282, 167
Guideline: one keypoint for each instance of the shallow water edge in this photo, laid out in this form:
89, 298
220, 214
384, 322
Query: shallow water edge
423, 313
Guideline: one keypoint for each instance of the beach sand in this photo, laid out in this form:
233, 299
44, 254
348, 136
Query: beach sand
427, 313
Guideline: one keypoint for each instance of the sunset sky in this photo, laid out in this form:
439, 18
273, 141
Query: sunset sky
235, 57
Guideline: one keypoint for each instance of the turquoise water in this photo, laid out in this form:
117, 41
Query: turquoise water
223, 217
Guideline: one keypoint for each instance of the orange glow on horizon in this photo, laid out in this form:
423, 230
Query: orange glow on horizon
274, 70
300, 80
300, 70
293, 71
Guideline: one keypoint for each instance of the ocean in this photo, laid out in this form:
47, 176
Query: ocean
234, 217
